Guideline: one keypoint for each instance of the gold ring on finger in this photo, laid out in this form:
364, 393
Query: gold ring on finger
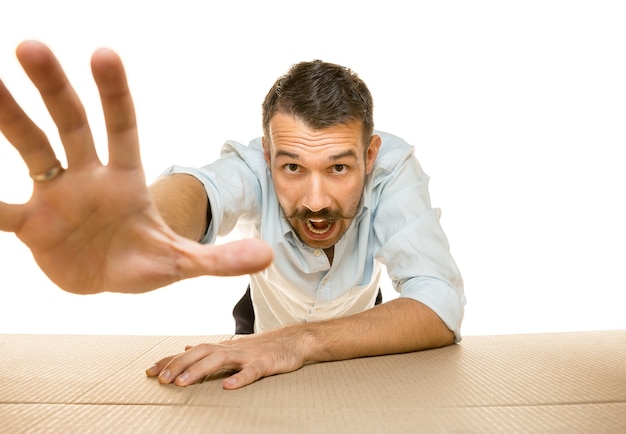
49, 174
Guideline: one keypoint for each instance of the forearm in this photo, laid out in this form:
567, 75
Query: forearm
183, 204
398, 326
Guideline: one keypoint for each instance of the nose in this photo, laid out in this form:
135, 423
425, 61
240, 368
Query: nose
315, 196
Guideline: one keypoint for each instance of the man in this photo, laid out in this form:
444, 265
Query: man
324, 200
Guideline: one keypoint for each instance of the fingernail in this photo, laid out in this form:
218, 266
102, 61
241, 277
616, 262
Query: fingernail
152, 370
230, 381
165, 375
182, 378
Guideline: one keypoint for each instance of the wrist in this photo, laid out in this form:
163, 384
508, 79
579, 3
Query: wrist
305, 340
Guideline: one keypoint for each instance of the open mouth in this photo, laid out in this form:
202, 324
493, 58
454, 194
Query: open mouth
319, 227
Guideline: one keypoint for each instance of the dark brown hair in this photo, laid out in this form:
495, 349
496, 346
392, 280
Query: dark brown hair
321, 95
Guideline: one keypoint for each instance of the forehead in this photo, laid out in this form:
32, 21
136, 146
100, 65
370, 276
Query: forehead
289, 133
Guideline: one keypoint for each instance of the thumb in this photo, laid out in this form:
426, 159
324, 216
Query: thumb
231, 259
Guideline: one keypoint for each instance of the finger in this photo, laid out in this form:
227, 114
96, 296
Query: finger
157, 368
251, 373
24, 135
179, 363
202, 360
11, 217
231, 259
119, 111
63, 104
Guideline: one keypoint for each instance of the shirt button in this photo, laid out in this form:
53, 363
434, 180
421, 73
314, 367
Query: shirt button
317, 252
324, 282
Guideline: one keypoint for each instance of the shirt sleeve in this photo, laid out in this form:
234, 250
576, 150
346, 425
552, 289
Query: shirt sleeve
232, 186
414, 247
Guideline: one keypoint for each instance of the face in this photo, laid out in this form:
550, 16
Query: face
319, 176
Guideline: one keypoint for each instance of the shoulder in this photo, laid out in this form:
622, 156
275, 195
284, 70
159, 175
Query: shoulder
252, 155
394, 153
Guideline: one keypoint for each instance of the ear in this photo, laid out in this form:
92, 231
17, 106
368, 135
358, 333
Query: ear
372, 153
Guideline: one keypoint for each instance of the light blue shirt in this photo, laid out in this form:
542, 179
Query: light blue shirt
396, 228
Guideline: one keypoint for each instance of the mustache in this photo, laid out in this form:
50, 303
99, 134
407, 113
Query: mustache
323, 214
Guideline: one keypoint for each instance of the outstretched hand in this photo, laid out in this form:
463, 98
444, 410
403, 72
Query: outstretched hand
93, 227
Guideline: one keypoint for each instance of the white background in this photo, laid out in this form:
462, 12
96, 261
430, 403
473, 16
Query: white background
517, 111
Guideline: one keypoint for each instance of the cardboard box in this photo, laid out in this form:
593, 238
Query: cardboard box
559, 382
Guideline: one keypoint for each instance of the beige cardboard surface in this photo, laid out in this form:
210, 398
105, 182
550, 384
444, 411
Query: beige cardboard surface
564, 382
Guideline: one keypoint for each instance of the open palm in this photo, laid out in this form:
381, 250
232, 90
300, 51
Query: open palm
94, 227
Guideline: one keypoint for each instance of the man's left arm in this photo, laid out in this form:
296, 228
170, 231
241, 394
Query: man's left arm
398, 326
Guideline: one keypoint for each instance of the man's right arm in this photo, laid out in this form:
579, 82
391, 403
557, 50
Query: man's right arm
183, 204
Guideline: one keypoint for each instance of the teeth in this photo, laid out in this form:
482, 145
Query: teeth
318, 231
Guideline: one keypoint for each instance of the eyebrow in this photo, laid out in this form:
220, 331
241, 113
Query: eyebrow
350, 153
287, 154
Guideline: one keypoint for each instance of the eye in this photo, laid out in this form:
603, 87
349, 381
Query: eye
339, 168
291, 168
